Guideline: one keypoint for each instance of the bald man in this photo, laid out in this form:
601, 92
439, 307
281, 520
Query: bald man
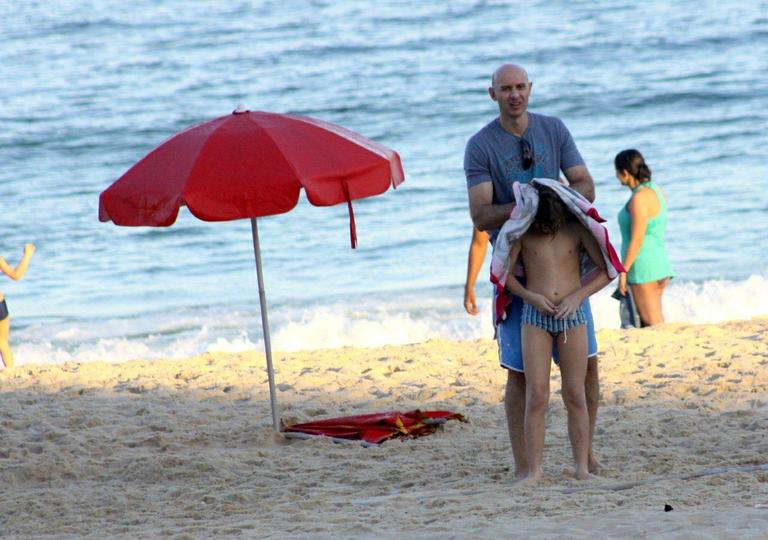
518, 146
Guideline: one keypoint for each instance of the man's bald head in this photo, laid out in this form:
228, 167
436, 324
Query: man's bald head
510, 89
511, 69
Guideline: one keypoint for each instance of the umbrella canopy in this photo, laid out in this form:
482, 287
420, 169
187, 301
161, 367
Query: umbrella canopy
248, 165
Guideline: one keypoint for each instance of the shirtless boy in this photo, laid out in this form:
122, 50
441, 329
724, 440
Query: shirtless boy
550, 250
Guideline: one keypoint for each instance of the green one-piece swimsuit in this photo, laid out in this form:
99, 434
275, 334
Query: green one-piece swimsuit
652, 263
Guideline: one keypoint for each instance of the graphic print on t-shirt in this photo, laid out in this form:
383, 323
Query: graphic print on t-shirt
514, 172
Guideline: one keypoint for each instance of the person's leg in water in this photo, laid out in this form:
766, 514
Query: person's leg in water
537, 356
648, 300
5, 347
573, 370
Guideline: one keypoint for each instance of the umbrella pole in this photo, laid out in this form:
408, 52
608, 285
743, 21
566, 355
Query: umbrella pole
265, 324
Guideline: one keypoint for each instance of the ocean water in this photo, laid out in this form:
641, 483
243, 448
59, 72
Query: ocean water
88, 88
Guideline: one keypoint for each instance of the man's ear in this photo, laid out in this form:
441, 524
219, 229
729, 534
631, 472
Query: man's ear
492, 93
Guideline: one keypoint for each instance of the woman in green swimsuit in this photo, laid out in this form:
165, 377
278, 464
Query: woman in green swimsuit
642, 222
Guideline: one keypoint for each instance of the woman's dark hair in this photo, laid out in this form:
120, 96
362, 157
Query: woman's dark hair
633, 162
551, 213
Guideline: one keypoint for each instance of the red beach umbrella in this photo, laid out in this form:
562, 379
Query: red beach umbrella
248, 165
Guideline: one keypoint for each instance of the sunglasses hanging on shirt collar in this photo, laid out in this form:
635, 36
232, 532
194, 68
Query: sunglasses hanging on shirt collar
527, 154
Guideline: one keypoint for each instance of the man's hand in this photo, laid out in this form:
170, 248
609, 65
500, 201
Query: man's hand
470, 304
542, 303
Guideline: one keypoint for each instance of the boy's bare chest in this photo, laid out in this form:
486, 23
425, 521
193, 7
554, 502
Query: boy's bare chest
563, 246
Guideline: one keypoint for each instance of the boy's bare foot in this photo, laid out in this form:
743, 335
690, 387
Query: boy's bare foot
531, 479
581, 473
594, 465
521, 473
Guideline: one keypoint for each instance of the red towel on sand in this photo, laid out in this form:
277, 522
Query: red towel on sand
378, 427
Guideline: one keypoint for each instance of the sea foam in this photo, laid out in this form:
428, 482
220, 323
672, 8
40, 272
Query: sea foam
396, 319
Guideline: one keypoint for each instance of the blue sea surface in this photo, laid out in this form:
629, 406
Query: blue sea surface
88, 88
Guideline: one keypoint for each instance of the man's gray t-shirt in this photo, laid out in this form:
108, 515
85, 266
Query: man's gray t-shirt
495, 155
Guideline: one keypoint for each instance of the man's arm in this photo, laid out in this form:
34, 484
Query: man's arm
477, 169
579, 179
477, 250
486, 215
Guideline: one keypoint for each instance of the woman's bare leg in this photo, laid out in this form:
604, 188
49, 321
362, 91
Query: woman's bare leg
573, 370
5, 347
648, 299
537, 357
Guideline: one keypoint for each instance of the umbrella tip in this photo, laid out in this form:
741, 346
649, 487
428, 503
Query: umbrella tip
240, 109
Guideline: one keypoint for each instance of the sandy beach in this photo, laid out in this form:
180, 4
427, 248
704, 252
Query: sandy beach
184, 448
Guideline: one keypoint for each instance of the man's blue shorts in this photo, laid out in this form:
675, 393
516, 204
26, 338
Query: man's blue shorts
510, 343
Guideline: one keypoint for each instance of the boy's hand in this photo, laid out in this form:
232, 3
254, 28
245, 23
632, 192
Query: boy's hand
567, 306
29, 248
542, 303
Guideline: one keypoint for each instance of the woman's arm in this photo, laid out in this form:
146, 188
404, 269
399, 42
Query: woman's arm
477, 250
541, 302
17, 273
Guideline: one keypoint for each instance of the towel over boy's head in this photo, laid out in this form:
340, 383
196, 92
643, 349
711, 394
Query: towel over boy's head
557, 203
551, 213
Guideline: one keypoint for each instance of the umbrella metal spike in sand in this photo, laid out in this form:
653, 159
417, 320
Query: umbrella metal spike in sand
265, 324
249, 165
